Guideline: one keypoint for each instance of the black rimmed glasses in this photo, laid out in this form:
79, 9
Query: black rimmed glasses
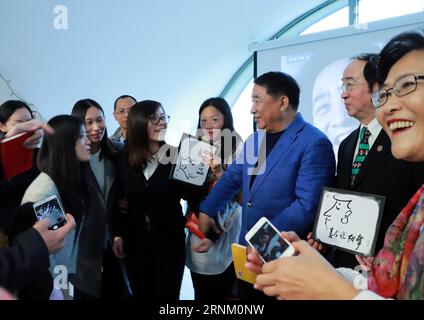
155, 119
401, 87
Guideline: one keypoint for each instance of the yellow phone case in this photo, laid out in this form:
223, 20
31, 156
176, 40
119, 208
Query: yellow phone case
239, 258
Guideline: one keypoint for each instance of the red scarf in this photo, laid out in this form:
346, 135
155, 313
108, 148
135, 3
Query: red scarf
398, 269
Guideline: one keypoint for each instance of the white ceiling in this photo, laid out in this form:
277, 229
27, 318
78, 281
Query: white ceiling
179, 52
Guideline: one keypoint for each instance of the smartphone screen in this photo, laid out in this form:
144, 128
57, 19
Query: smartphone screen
268, 242
50, 208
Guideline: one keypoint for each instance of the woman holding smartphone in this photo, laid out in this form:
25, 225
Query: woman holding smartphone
150, 233
63, 162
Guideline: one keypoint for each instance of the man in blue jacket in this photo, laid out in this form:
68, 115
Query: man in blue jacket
285, 180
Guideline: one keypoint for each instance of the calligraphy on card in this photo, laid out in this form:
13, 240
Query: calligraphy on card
349, 220
189, 166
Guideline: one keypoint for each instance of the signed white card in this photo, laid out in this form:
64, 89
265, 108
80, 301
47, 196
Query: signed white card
349, 220
189, 167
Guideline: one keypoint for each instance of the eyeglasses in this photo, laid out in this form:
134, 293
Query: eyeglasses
154, 119
122, 112
349, 86
401, 87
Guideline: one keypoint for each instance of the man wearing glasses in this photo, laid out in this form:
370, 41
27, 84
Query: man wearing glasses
365, 162
121, 109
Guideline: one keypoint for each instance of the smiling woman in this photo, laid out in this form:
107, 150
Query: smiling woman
102, 176
400, 104
150, 232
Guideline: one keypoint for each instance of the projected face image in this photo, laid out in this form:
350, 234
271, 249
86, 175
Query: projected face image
329, 113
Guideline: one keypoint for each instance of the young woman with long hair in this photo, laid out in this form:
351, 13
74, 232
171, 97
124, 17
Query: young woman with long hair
63, 162
212, 271
102, 176
150, 233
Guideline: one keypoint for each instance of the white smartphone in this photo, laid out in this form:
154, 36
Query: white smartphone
50, 208
267, 240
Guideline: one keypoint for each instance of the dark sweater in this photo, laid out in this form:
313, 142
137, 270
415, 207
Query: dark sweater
24, 265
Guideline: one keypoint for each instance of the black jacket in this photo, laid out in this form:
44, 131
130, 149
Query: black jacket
154, 207
380, 174
23, 261
153, 229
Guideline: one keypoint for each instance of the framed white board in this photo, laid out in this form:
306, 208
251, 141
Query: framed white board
349, 220
189, 167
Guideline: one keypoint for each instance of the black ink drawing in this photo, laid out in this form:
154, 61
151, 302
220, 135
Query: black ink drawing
333, 234
186, 167
340, 207
359, 239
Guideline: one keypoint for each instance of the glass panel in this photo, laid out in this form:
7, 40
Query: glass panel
372, 10
335, 20
243, 119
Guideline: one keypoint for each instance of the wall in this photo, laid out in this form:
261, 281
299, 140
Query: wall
176, 51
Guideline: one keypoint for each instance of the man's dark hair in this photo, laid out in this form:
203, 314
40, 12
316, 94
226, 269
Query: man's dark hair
280, 84
370, 68
123, 97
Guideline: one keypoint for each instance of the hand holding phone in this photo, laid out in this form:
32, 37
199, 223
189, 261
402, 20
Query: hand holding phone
268, 242
50, 208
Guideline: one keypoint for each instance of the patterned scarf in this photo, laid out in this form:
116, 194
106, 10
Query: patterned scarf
398, 270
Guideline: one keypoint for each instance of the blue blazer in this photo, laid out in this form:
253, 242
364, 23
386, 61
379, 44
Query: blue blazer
288, 186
